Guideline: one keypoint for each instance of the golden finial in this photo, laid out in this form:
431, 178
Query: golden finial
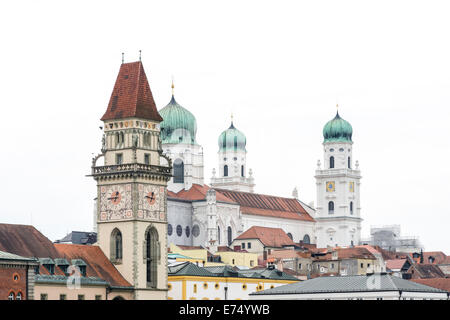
173, 87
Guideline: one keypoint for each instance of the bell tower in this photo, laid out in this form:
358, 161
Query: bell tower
131, 185
338, 185
232, 160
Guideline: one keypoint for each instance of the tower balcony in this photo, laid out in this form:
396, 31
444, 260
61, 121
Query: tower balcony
338, 172
131, 169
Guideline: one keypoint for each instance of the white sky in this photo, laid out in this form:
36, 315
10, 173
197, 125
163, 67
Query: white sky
279, 66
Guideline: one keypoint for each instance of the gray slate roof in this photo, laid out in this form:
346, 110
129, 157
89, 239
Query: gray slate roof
59, 279
10, 256
190, 269
377, 282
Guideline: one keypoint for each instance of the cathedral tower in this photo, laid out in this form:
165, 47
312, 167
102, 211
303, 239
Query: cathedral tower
178, 131
338, 183
131, 185
232, 162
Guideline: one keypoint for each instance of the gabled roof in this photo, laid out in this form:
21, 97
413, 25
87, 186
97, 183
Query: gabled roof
427, 271
26, 241
438, 257
188, 269
395, 263
385, 282
131, 96
266, 205
269, 237
196, 193
97, 264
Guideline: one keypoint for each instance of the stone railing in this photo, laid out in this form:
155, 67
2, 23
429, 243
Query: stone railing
131, 167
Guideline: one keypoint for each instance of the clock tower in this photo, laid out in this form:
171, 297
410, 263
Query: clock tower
338, 183
131, 185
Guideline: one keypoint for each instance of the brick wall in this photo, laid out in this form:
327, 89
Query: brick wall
8, 283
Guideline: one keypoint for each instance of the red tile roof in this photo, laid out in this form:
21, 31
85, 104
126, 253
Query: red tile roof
439, 283
98, 265
131, 96
439, 257
266, 205
25, 241
425, 271
197, 192
269, 237
395, 263
355, 253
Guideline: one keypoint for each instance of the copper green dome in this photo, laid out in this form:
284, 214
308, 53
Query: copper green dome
232, 139
337, 130
179, 125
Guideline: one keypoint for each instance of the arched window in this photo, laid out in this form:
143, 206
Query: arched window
349, 163
218, 235
152, 256
351, 207
116, 246
230, 235
169, 229
196, 230
178, 171
242, 171
11, 296
19, 296
306, 239
331, 162
235, 142
290, 235
225, 171
187, 231
330, 207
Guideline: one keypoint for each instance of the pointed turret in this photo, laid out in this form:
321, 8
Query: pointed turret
131, 96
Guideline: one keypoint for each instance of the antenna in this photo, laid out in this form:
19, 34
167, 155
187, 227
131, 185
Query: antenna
123, 57
140, 52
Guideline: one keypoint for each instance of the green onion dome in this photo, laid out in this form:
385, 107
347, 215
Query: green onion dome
337, 130
232, 139
179, 125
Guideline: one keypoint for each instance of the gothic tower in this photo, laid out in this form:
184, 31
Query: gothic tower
232, 162
338, 184
178, 131
131, 185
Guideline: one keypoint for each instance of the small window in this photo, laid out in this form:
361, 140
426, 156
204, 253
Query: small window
169, 229
12, 296
290, 235
300, 266
81, 297
341, 149
195, 230
331, 162
225, 171
331, 207
195, 288
147, 158
243, 245
242, 171
62, 297
205, 285
187, 231
249, 245
178, 171
362, 265
351, 207
331, 150
349, 163
98, 297
119, 158
179, 230
44, 296
251, 263
19, 296
232, 261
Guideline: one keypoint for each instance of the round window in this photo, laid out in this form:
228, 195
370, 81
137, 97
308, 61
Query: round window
331, 150
179, 230
195, 230
169, 229
341, 149
188, 231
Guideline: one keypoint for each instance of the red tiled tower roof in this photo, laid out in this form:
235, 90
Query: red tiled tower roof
131, 96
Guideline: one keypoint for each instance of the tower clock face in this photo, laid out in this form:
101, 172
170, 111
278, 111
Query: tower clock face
330, 186
151, 202
115, 202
